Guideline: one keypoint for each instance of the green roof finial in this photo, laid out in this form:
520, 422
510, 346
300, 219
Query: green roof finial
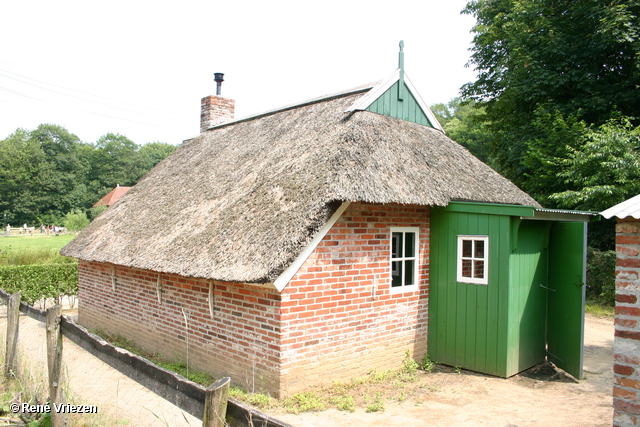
401, 67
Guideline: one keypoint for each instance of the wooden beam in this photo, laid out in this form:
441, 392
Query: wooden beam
215, 403
13, 321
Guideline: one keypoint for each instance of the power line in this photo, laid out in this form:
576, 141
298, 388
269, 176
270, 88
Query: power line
91, 94
13, 92
81, 98
20, 78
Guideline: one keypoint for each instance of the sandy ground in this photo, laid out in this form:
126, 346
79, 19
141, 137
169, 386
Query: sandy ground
118, 399
539, 397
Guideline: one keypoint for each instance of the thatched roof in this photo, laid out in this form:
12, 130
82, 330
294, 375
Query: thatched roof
240, 201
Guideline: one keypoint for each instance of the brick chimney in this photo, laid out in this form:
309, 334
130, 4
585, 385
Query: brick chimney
215, 109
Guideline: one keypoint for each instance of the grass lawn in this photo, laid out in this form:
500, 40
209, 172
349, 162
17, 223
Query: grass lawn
35, 242
600, 310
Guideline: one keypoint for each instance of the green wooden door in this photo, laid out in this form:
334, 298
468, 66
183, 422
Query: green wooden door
527, 300
565, 296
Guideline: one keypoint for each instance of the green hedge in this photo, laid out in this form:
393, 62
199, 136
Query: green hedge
38, 281
601, 276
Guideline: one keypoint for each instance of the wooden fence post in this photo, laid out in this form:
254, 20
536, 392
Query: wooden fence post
54, 362
215, 403
13, 321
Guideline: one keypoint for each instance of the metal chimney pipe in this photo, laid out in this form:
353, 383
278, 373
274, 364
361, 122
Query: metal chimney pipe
218, 78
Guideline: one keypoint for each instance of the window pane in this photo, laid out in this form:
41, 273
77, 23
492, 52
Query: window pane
466, 248
478, 269
410, 243
408, 273
479, 247
466, 268
396, 273
396, 245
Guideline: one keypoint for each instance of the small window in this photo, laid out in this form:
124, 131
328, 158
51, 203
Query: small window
404, 257
472, 259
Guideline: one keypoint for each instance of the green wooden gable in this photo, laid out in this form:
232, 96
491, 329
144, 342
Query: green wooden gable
397, 97
407, 109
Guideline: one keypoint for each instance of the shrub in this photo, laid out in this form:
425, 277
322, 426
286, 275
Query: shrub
95, 211
601, 279
40, 281
76, 220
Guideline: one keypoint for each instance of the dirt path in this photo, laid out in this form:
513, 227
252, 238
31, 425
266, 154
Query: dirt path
89, 381
538, 397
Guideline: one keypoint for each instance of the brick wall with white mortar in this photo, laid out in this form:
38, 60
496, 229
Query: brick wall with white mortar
241, 340
339, 318
626, 389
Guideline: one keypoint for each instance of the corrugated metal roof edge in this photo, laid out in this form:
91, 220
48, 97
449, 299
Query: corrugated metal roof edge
628, 208
563, 215
563, 211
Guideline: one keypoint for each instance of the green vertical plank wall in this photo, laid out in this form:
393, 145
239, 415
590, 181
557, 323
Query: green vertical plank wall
408, 109
527, 299
468, 322
565, 318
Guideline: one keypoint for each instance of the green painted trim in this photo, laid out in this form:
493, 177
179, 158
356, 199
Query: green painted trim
401, 67
490, 209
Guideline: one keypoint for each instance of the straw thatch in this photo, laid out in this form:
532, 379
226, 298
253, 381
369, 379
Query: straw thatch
240, 201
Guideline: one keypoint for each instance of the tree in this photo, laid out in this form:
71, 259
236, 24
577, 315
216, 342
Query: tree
465, 123
578, 61
21, 162
551, 138
63, 181
605, 170
113, 162
48, 172
153, 153
40, 173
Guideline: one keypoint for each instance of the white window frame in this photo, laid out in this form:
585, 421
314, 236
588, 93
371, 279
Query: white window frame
415, 257
474, 280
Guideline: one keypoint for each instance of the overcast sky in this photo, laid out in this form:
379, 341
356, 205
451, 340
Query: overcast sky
140, 68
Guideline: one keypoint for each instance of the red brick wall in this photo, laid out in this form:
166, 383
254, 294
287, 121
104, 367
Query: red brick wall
215, 110
338, 316
242, 340
626, 390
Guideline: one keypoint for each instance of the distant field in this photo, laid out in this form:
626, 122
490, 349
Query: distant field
36, 242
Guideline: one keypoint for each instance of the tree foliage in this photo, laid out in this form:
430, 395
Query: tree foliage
605, 170
465, 123
48, 172
547, 68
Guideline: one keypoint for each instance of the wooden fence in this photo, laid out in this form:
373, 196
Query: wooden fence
210, 404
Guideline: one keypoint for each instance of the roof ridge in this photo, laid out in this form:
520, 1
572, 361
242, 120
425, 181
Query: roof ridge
327, 97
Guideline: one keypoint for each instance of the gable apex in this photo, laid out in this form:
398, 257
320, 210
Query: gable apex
385, 88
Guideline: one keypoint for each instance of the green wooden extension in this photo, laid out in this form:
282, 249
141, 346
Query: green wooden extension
534, 294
